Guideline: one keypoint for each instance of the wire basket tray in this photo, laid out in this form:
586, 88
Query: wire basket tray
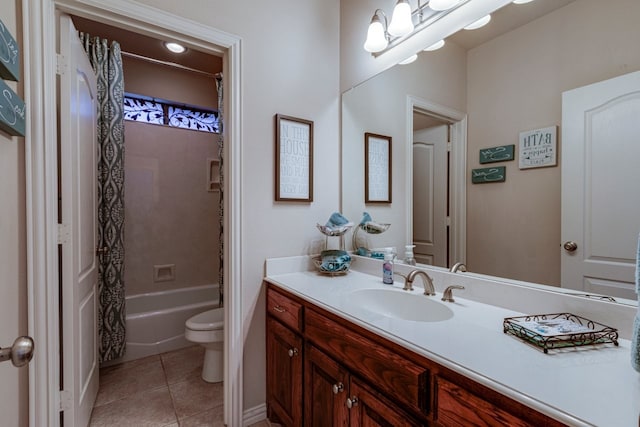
559, 330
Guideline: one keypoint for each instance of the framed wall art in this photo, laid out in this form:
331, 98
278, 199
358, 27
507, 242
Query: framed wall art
377, 168
538, 148
294, 159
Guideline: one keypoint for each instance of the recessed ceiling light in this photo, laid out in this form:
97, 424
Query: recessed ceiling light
479, 23
175, 47
409, 60
437, 45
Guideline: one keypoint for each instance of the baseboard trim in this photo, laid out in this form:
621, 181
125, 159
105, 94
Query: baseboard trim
253, 415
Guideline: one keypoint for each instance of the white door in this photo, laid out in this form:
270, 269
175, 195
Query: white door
78, 169
430, 195
600, 175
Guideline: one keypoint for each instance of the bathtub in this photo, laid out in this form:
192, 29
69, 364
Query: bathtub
155, 321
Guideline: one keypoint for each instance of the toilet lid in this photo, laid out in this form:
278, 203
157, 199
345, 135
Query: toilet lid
208, 320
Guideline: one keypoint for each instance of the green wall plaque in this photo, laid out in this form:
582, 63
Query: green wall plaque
12, 111
497, 154
486, 175
9, 55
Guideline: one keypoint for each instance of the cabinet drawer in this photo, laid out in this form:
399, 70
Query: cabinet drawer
456, 406
284, 309
387, 371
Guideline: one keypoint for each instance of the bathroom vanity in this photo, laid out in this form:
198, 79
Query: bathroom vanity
337, 355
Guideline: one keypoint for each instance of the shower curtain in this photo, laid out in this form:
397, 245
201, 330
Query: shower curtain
107, 63
219, 87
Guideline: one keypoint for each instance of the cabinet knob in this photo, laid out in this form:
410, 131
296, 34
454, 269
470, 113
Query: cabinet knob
338, 388
293, 352
352, 401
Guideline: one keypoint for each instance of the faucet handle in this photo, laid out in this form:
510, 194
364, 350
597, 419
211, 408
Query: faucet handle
448, 293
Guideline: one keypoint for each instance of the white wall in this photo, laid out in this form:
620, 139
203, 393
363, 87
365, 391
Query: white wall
290, 66
13, 280
380, 106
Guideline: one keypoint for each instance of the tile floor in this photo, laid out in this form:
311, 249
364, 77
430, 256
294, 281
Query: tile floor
162, 390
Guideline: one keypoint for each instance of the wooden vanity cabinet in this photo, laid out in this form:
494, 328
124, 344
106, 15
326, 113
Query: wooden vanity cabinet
348, 376
284, 359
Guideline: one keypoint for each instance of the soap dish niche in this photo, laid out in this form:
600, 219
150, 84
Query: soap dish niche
164, 273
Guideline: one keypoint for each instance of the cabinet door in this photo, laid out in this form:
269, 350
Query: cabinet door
367, 409
326, 385
284, 374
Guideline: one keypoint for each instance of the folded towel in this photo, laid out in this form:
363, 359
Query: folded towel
635, 344
336, 220
635, 340
365, 218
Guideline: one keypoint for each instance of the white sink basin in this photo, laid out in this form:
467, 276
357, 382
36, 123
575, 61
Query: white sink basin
405, 305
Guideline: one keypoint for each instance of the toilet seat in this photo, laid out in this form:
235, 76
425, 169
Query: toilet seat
207, 321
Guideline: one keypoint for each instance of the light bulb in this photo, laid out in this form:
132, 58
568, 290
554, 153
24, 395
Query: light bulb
376, 39
175, 47
442, 4
437, 45
401, 21
409, 60
479, 23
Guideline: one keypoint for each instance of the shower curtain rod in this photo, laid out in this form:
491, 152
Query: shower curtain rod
167, 63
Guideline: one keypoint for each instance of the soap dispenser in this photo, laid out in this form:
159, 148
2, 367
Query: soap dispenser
408, 255
387, 267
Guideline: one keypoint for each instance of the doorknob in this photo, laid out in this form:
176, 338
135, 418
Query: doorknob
570, 246
20, 353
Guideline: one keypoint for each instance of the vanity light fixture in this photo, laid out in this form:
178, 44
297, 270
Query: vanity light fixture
175, 47
376, 36
401, 21
479, 23
409, 60
405, 23
437, 45
442, 4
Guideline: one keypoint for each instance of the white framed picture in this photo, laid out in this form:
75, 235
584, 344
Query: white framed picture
538, 148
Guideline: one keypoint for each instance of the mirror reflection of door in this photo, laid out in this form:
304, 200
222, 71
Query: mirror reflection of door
430, 190
600, 175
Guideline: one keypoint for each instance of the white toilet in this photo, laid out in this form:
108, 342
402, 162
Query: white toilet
207, 329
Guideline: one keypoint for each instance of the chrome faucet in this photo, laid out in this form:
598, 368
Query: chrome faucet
448, 294
458, 266
428, 282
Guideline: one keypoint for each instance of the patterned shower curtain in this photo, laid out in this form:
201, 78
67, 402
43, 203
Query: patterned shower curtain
107, 64
219, 87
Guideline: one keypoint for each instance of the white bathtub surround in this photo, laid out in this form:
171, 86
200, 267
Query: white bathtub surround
155, 321
207, 329
580, 386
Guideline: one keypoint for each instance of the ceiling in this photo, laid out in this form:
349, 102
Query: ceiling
506, 19
149, 47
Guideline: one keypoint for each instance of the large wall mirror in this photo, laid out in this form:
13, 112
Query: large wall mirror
481, 90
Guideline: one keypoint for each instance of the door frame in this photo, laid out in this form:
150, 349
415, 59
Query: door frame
40, 35
457, 173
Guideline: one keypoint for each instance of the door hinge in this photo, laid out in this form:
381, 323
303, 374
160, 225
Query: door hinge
447, 221
63, 234
448, 146
61, 64
64, 397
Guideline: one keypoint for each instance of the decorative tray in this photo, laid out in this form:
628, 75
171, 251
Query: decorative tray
559, 330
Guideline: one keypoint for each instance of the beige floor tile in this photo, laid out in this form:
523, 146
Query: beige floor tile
210, 418
194, 395
183, 364
147, 409
119, 381
263, 423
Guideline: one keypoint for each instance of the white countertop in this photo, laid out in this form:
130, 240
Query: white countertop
579, 386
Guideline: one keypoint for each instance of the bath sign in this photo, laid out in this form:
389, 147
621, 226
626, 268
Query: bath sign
497, 154
9, 55
12, 111
538, 148
486, 175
